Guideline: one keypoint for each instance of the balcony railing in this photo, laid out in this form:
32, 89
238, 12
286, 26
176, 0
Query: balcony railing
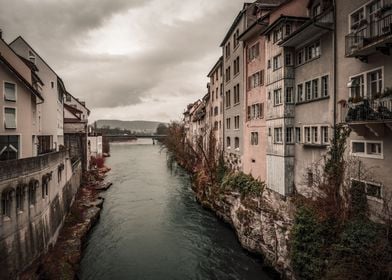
370, 110
371, 33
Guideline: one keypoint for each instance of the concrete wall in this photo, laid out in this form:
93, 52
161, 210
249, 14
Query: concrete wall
51, 111
29, 230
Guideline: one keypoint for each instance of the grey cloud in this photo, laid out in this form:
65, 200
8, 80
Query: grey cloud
174, 53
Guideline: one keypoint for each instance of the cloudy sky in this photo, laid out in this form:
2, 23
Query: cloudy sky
128, 59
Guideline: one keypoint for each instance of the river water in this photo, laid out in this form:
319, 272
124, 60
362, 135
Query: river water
151, 226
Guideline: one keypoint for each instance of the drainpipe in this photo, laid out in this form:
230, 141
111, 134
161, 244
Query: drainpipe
334, 71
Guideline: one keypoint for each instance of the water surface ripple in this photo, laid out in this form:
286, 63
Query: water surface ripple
151, 227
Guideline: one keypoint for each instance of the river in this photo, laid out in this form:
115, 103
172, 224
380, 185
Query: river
151, 226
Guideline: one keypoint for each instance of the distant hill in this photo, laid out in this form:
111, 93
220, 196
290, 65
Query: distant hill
147, 126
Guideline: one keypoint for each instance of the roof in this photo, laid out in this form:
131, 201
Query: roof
217, 64
21, 78
281, 19
73, 110
77, 100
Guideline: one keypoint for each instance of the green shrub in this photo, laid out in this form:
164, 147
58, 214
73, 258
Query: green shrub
306, 247
243, 183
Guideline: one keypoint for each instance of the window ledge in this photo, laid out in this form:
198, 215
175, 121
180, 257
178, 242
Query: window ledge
368, 156
315, 145
376, 199
6, 219
312, 100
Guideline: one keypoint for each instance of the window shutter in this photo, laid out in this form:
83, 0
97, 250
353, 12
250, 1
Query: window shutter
10, 118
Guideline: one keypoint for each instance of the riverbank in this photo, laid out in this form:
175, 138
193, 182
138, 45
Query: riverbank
261, 222
62, 260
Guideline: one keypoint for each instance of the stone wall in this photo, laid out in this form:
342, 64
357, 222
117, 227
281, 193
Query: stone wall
36, 194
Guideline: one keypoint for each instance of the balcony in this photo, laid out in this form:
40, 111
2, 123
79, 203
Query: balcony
374, 115
370, 38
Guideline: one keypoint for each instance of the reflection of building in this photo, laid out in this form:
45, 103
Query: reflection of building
38, 180
364, 84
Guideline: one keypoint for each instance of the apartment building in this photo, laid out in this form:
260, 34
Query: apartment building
280, 83
364, 82
19, 101
254, 128
233, 61
215, 104
50, 113
310, 50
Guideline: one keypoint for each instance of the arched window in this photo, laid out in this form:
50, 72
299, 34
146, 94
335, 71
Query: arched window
33, 185
20, 194
6, 202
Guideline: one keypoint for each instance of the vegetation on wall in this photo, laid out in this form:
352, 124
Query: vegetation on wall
332, 236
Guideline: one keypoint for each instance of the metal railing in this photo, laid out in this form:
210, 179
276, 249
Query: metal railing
370, 110
368, 33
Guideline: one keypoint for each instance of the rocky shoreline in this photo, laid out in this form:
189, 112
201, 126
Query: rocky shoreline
262, 224
62, 260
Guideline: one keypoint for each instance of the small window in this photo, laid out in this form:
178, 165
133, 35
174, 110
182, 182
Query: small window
324, 86
269, 64
277, 62
288, 61
289, 97
277, 97
358, 148
315, 89
315, 134
228, 123
236, 143
10, 118
324, 134
374, 149
300, 93
9, 91
373, 190
254, 138
228, 142
237, 122
298, 135
289, 135
9, 147
278, 135
308, 138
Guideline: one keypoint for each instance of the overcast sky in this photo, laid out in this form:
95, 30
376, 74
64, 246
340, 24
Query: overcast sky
128, 59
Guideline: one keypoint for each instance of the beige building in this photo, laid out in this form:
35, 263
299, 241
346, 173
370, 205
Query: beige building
215, 103
364, 83
50, 112
312, 49
20, 96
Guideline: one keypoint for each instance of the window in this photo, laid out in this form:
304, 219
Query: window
277, 97
356, 19
316, 10
236, 94
278, 135
228, 123
32, 191
278, 34
68, 97
308, 91
228, 73
52, 84
308, 53
256, 80
9, 91
10, 118
300, 93
289, 97
228, 142
357, 86
371, 189
6, 203
9, 147
254, 138
256, 111
314, 134
315, 88
374, 80
298, 135
324, 86
288, 61
236, 35
227, 48
308, 138
253, 52
269, 64
236, 143
277, 62
228, 99
287, 29
371, 149
237, 122
216, 125
324, 134
237, 65
19, 195
289, 135
216, 110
